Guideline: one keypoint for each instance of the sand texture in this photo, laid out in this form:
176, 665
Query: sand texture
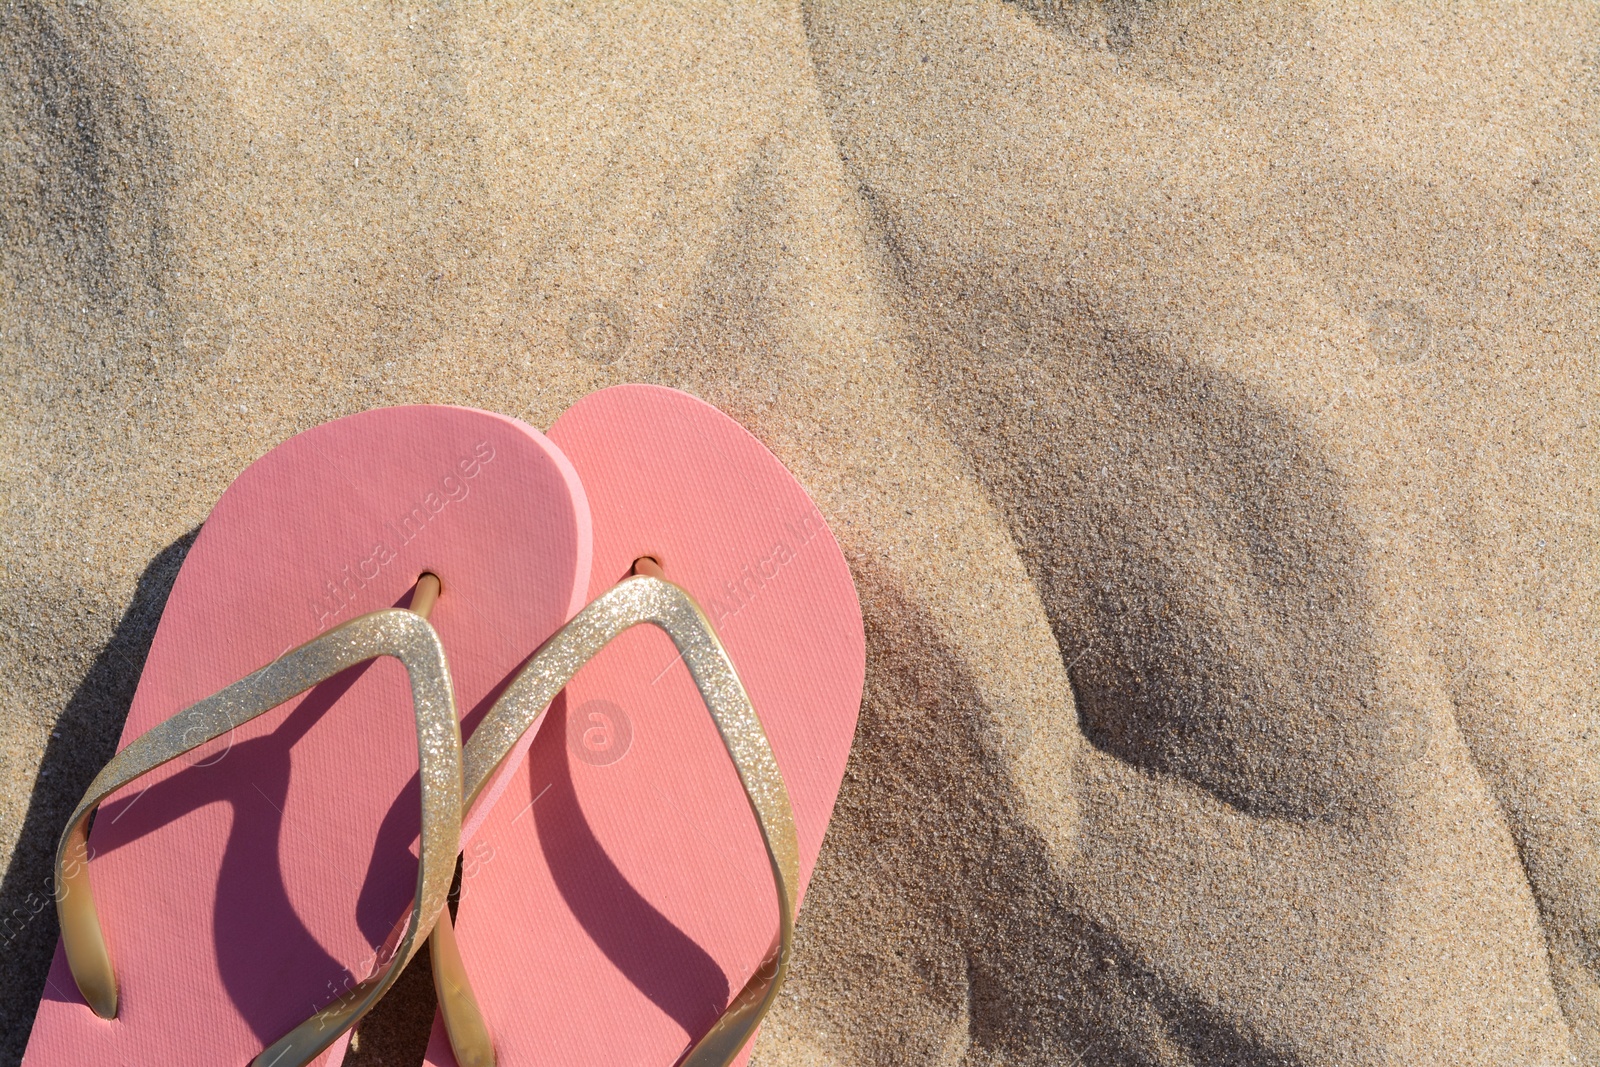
1205, 396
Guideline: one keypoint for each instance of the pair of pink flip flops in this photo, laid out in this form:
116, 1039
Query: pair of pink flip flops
255, 877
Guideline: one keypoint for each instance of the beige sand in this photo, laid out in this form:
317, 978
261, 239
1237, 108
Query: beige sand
1206, 400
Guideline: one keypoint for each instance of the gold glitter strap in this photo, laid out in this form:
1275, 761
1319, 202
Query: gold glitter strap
634, 601
393, 632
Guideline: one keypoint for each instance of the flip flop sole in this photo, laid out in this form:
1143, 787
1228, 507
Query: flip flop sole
245, 885
618, 893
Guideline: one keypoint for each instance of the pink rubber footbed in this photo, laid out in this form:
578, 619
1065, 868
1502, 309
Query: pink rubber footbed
618, 892
244, 885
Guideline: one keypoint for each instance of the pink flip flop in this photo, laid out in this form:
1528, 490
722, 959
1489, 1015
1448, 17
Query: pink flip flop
262, 889
618, 903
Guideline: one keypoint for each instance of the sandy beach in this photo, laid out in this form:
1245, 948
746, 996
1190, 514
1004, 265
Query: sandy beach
1206, 398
